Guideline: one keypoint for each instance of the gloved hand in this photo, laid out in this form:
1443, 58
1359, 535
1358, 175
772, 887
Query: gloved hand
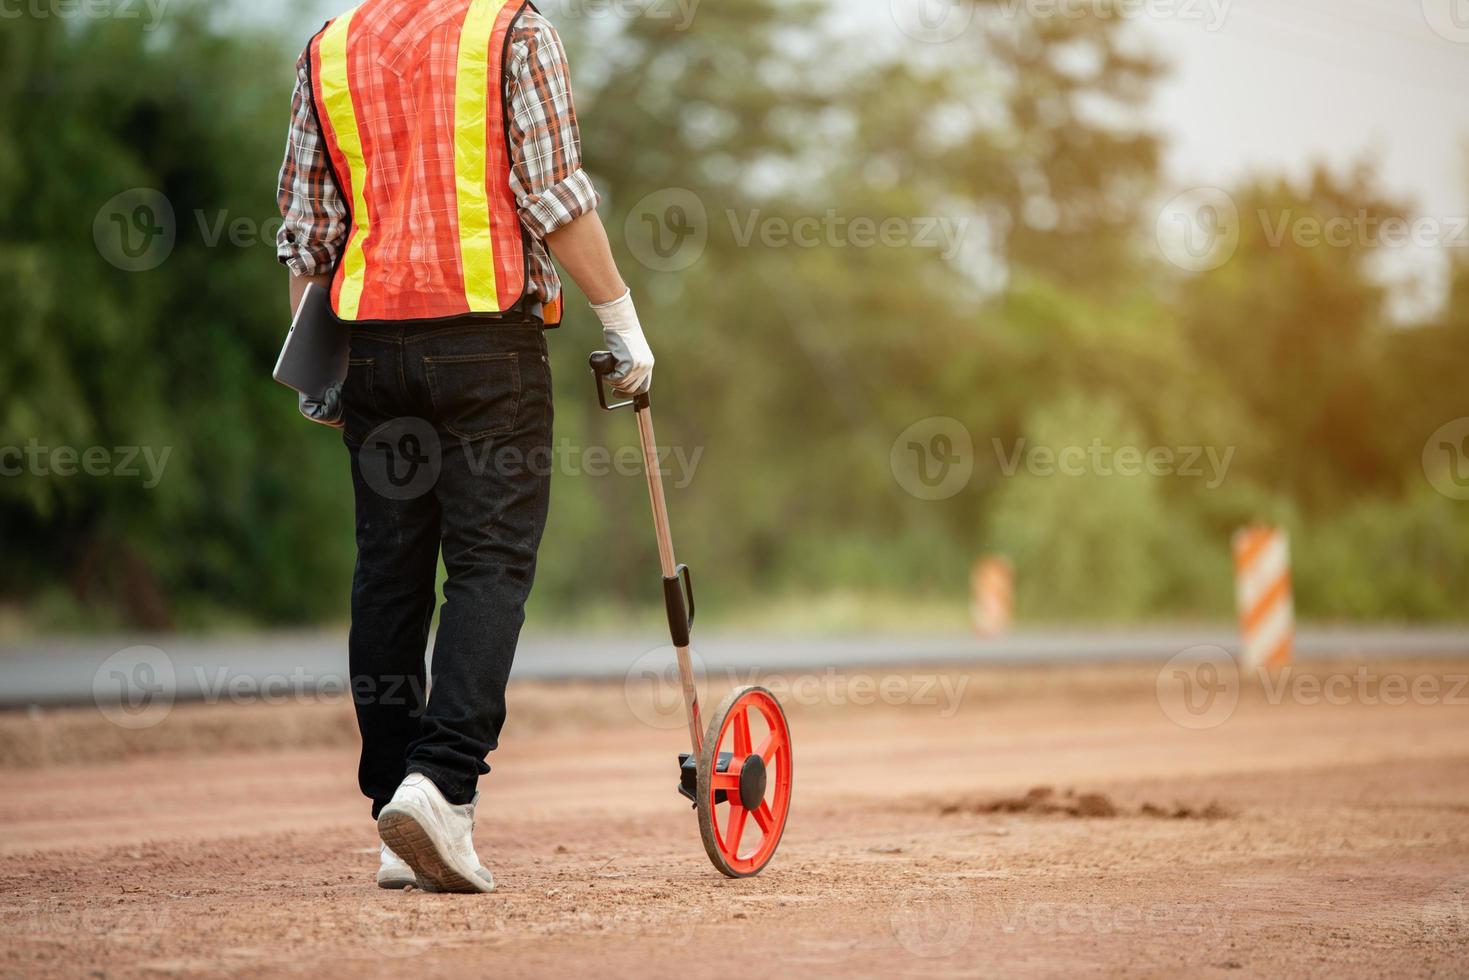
624, 338
327, 411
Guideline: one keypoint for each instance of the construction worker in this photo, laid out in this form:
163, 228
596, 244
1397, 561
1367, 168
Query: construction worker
433, 164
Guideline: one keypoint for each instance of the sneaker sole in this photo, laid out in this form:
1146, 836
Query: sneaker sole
395, 884
411, 842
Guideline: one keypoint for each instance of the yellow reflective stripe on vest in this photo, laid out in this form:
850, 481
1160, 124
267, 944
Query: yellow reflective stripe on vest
336, 96
472, 88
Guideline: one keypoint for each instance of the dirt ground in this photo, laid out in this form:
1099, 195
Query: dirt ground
1030, 822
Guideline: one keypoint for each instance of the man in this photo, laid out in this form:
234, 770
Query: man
433, 157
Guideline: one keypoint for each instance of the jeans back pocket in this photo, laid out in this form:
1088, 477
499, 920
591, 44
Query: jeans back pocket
474, 395
359, 403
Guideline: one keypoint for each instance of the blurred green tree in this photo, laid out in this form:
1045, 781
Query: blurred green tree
1007, 184
250, 518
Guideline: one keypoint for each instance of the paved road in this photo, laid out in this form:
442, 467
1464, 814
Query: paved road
70, 671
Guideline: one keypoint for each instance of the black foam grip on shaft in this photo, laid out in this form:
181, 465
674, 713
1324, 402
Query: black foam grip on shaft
678, 614
602, 363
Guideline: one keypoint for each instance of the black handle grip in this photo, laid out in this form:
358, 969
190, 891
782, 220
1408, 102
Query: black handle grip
602, 364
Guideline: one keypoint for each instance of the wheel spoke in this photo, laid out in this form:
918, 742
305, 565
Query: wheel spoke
768, 749
729, 782
741, 734
764, 817
737, 817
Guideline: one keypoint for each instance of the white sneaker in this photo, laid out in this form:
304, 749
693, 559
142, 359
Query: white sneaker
435, 837
393, 871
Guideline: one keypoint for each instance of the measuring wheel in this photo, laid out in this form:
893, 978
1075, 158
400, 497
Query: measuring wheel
739, 772
744, 793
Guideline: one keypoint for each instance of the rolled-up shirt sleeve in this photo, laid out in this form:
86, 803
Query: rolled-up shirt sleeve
551, 188
313, 211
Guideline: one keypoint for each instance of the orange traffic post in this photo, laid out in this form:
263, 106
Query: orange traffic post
1263, 595
992, 596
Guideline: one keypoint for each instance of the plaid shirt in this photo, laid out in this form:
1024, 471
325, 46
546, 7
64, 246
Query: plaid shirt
551, 188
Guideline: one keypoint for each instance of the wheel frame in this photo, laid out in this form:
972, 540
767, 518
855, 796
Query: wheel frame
780, 770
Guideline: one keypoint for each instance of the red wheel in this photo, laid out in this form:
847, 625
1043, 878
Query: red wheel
745, 771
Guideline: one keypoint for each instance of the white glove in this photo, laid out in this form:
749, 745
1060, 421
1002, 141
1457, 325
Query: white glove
624, 338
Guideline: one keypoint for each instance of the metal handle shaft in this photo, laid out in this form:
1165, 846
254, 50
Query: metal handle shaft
604, 364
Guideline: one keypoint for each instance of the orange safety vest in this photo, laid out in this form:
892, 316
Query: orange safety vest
411, 101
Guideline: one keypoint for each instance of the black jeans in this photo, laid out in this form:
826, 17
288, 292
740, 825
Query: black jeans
449, 431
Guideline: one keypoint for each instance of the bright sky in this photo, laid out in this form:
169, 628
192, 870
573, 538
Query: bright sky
1284, 83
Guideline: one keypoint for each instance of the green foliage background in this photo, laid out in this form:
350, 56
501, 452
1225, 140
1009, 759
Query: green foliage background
791, 370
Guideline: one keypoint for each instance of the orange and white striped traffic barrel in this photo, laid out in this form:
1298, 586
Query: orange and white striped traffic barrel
1267, 613
992, 596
